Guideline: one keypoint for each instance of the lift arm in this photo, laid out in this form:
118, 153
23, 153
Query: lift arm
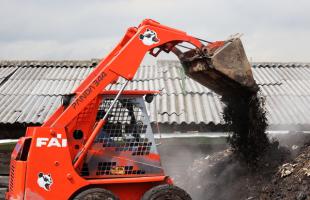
123, 61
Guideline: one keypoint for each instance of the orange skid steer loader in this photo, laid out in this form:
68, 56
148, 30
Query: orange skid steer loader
99, 144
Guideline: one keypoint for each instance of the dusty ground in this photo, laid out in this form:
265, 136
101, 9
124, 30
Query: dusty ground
4, 167
220, 176
216, 174
3, 185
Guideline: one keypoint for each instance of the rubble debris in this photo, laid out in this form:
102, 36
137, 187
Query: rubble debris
307, 171
294, 147
293, 182
286, 169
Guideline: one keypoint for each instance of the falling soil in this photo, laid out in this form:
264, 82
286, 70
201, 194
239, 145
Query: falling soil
244, 113
245, 117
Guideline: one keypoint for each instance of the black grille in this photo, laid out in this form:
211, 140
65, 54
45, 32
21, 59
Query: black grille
111, 168
123, 145
85, 170
125, 129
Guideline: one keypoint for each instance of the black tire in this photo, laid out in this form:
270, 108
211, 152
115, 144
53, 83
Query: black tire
95, 194
166, 192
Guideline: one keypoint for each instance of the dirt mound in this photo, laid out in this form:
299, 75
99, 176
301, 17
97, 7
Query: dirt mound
292, 180
223, 176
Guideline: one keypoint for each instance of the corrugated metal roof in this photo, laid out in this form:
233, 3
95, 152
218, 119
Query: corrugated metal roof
5, 72
32, 91
186, 109
27, 108
166, 86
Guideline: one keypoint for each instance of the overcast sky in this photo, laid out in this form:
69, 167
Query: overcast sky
274, 30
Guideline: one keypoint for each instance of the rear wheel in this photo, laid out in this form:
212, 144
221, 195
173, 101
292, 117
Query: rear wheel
166, 192
96, 194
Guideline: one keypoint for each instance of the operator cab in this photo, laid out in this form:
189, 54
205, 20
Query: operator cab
125, 146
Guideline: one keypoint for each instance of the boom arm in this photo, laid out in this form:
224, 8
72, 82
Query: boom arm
123, 61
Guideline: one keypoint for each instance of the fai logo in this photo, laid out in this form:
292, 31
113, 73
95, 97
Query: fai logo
45, 181
51, 142
149, 37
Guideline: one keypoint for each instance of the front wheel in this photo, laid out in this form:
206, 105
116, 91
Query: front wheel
96, 194
166, 192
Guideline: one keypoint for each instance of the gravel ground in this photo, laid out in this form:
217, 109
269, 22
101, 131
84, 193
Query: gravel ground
3, 185
2, 193
5, 154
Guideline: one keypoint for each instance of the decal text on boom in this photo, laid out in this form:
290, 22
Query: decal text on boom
88, 91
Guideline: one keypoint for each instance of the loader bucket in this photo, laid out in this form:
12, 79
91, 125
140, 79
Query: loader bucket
225, 69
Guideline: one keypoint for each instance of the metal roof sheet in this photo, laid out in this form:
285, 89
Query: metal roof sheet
166, 86
186, 109
27, 108
31, 90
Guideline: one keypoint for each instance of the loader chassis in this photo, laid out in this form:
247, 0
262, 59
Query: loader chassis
124, 148
99, 138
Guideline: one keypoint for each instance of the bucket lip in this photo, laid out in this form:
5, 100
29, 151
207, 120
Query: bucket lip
227, 42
